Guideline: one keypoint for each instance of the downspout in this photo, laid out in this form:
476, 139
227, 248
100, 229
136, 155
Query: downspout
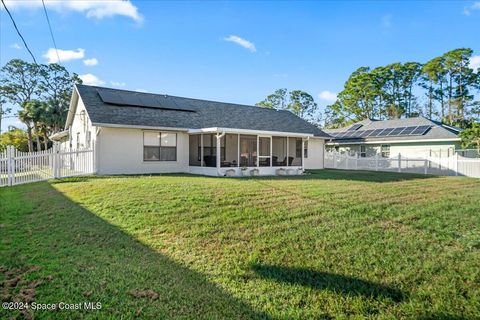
219, 148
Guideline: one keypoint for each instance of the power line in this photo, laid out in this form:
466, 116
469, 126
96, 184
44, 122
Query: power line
51, 32
18, 31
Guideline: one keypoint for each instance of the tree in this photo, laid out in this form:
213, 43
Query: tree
17, 138
276, 100
460, 80
471, 137
56, 86
42, 94
19, 83
433, 80
298, 102
3, 110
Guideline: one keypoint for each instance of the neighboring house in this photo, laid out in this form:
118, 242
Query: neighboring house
411, 137
135, 132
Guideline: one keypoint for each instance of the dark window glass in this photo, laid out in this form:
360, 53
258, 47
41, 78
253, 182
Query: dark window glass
151, 153
168, 153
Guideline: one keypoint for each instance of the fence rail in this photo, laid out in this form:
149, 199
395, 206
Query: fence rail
18, 167
455, 165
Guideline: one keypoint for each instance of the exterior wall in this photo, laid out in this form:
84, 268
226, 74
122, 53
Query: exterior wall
315, 154
411, 149
120, 151
81, 132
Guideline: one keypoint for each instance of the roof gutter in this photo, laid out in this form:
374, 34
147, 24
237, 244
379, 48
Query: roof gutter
249, 131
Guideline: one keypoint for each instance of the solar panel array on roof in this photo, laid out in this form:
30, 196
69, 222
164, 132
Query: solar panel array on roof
355, 127
140, 100
390, 132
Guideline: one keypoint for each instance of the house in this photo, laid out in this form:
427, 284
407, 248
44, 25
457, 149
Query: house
135, 133
410, 137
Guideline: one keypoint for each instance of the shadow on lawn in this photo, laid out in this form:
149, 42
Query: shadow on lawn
328, 281
90, 259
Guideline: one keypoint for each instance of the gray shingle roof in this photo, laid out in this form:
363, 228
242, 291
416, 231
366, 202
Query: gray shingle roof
207, 114
437, 131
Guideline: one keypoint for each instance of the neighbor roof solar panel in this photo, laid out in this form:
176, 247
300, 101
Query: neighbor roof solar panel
420, 130
408, 131
396, 131
386, 132
355, 127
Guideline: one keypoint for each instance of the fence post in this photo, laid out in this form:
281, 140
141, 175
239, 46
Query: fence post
55, 161
399, 162
346, 161
455, 163
356, 161
425, 164
334, 159
9, 165
376, 162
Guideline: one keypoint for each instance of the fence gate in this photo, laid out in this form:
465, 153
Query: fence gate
18, 167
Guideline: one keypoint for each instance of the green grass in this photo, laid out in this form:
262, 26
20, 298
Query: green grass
332, 244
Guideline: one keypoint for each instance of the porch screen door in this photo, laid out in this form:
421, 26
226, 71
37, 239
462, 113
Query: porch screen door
248, 151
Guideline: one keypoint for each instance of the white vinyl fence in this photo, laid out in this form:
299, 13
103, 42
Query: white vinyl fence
18, 167
454, 165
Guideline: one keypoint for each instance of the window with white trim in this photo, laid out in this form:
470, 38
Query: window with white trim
159, 146
363, 151
385, 150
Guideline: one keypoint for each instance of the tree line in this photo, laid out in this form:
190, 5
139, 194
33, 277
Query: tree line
42, 95
443, 89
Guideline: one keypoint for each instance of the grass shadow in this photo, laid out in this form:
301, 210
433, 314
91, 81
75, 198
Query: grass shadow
77, 256
328, 281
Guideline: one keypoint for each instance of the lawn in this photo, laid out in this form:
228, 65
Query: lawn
331, 244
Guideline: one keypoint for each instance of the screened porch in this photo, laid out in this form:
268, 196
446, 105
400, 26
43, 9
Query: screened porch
246, 151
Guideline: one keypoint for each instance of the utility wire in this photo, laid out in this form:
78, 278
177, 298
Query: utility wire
51, 32
18, 31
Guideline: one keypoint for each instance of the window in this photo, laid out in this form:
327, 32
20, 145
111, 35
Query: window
363, 151
385, 150
305, 149
159, 146
88, 139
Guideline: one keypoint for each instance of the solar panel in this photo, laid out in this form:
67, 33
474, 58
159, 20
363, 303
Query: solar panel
396, 131
420, 130
365, 133
355, 127
386, 132
139, 100
407, 131
375, 133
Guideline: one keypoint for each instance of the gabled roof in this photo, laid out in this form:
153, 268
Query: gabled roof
187, 113
436, 130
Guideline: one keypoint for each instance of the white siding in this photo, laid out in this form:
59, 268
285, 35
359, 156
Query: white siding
120, 151
81, 125
315, 154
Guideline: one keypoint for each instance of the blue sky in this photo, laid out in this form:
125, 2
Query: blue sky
236, 51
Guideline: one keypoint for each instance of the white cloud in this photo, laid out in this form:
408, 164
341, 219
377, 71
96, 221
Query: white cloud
65, 55
91, 8
468, 10
118, 84
475, 63
92, 80
241, 42
327, 96
15, 46
90, 62
387, 21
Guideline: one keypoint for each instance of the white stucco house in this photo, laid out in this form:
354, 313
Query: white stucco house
141, 133
410, 137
